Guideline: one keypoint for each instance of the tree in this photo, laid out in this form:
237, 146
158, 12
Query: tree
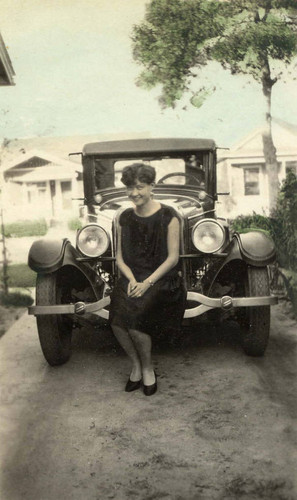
253, 37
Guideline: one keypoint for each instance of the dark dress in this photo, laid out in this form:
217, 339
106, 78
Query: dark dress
144, 249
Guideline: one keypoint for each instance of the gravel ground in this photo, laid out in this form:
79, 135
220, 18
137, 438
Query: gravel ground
222, 426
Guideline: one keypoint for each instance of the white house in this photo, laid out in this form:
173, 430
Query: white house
39, 185
242, 170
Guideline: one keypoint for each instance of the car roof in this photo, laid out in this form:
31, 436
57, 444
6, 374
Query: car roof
146, 146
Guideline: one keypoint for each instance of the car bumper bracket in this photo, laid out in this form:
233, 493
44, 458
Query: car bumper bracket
205, 304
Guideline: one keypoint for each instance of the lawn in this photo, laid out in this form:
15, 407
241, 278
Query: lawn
21, 276
14, 304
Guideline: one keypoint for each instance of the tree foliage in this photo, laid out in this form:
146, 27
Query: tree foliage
178, 37
168, 44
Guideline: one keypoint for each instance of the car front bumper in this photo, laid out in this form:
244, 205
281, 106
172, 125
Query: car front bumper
205, 304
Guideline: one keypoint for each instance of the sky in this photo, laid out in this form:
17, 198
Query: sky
75, 75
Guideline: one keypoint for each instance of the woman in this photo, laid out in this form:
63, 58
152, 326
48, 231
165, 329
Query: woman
149, 296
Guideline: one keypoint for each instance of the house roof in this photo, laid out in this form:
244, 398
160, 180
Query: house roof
284, 136
45, 173
21, 159
6, 70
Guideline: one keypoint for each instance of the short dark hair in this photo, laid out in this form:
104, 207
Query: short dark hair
138, 171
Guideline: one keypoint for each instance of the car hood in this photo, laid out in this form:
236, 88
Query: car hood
187, 207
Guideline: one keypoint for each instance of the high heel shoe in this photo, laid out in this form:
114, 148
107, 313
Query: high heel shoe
149, 390
132, 386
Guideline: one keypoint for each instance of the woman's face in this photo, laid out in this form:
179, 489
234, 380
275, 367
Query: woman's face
140, 192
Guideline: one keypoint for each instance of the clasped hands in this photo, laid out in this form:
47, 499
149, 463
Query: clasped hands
137, 289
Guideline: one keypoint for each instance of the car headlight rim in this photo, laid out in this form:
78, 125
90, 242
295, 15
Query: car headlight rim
208, 236
92, 240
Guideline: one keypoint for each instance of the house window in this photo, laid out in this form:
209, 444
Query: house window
291, 166
251, 181
36, 192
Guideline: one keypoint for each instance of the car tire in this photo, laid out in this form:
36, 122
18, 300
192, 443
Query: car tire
255, 321
55, 331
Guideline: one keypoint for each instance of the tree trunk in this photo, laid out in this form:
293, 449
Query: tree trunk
269, 149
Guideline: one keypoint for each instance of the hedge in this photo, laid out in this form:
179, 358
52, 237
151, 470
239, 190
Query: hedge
74, 224
25, 228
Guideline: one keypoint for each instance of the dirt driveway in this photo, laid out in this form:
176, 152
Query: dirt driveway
221, 426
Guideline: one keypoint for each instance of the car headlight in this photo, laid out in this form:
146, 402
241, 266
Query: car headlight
208, 235
92, 240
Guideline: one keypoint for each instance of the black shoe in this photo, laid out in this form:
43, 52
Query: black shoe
132, 386
149, 390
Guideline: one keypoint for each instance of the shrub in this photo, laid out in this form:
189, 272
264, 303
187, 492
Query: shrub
25, 228
16, 299
21, 276
282, 227
290, 280
285, 223
245, 223
74, 224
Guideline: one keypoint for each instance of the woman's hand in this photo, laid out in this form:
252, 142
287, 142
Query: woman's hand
131, 286
136, 289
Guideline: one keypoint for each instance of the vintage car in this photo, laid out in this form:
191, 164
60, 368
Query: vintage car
223, 272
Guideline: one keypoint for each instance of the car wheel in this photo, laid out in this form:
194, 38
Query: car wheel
255, 321
54, 331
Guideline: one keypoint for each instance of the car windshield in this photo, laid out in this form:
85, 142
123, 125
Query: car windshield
189, 170
168, 170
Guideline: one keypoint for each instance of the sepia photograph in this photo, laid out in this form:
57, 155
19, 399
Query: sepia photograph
148, 250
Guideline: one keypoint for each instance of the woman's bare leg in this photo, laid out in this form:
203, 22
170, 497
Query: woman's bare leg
127, 344
143, 344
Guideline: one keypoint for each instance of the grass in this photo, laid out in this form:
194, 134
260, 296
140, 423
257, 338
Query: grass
22, 228
16, 299
21, 276
12, 306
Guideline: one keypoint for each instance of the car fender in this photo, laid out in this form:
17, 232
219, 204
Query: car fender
46, 256
254, 248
